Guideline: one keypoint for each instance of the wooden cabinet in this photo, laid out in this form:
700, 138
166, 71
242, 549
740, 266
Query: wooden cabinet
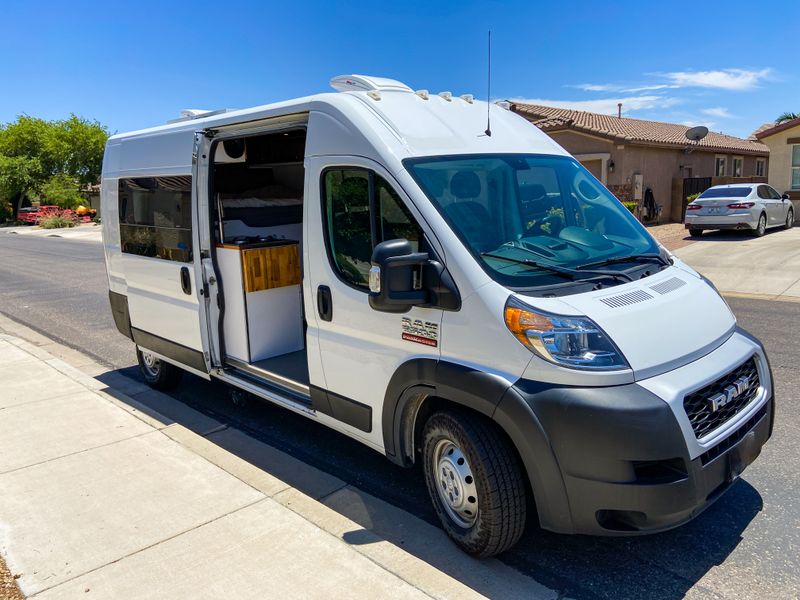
263, 305
271, 267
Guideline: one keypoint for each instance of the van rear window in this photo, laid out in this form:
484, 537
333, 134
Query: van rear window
155, 217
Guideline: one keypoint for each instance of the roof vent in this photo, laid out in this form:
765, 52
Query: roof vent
188, 114
365, 83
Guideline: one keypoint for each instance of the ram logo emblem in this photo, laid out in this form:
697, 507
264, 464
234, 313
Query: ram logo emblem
729, 394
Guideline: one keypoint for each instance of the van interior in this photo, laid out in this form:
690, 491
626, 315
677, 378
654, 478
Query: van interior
257, 194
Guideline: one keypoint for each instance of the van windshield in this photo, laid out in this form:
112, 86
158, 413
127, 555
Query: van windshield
536, 220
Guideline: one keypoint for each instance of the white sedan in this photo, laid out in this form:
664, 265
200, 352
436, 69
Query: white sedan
753, 207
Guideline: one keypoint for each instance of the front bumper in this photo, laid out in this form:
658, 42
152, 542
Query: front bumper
621, 459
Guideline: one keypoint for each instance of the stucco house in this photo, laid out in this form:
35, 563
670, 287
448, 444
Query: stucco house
783, 141
631, 155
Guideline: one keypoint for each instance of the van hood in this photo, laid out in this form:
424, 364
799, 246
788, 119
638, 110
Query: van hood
660, 322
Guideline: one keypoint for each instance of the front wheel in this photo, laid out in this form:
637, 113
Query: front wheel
475, 482
157, 373
761, 228
789, 220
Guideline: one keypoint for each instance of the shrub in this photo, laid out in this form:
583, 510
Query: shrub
631, 206
58, 220
61, 190
692, 198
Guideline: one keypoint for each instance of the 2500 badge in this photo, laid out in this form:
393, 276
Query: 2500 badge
420, 332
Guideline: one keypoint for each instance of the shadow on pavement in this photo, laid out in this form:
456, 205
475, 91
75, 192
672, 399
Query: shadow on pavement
731, 236
378, 496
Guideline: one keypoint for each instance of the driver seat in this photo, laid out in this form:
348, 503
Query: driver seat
470, 216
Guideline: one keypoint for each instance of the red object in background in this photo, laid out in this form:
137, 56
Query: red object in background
31, 215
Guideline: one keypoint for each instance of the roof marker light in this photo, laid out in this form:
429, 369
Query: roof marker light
374, 94
423, 94
468, 98
504, 104
446, 95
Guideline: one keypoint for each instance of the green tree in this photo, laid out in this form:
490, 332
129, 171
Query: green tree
787, 116
41, 158
61, 190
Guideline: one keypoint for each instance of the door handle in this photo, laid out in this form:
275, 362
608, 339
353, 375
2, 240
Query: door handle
186, 280
324, 303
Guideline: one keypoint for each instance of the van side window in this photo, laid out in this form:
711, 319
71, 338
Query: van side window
155, 217
362, 210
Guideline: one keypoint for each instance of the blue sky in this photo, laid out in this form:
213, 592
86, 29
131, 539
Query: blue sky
136, 64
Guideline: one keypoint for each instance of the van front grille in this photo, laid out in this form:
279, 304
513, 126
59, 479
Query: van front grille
713, 405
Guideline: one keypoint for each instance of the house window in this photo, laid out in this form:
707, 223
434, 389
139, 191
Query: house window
761, 165
796, 167
719, 165
155, 217
738, 163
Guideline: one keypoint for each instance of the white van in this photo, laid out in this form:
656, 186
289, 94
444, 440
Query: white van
461, 296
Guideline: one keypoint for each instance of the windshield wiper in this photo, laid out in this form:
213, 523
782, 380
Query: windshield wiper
623, 259
568, 273
571, 274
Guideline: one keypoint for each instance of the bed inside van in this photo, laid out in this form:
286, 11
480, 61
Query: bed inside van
257, 195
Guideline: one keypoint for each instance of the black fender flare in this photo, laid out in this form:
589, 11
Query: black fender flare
489, 395
415, 380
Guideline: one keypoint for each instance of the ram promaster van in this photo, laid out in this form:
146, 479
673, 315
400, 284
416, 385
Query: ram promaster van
461, 297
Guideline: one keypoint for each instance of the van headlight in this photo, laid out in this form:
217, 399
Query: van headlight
576, 342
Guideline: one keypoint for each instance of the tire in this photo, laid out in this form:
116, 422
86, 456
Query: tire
158, 374
761, 228
466, 459
695, 232
789, 220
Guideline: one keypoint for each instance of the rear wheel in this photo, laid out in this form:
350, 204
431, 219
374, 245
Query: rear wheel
475, 482
761, 228
789, 220
695, 232
157, 373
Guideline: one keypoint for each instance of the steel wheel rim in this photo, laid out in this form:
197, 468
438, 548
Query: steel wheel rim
150, 363
455, 483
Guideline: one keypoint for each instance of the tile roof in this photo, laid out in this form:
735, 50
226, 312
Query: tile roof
754, 136
634, 131
776, 128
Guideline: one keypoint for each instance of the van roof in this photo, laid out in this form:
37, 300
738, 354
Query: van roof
421, 124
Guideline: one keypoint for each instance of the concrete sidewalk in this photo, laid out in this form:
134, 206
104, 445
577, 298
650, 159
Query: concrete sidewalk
767, 267
105, 496
87, 232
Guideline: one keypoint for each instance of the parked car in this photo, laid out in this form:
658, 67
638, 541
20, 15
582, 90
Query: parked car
754, 207
32, 214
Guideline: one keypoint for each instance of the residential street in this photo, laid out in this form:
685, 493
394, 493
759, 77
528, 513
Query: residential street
746, 545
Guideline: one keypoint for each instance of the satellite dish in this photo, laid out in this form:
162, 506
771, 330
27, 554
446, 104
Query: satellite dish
695, 134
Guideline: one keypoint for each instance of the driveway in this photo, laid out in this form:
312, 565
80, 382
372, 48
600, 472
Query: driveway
768, 266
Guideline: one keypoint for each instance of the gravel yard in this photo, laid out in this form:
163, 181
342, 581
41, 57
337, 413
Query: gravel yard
8, 585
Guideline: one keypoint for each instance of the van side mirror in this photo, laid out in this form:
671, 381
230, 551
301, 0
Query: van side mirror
395, 278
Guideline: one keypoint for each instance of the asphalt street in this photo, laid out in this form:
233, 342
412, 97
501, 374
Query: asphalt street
746, 545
